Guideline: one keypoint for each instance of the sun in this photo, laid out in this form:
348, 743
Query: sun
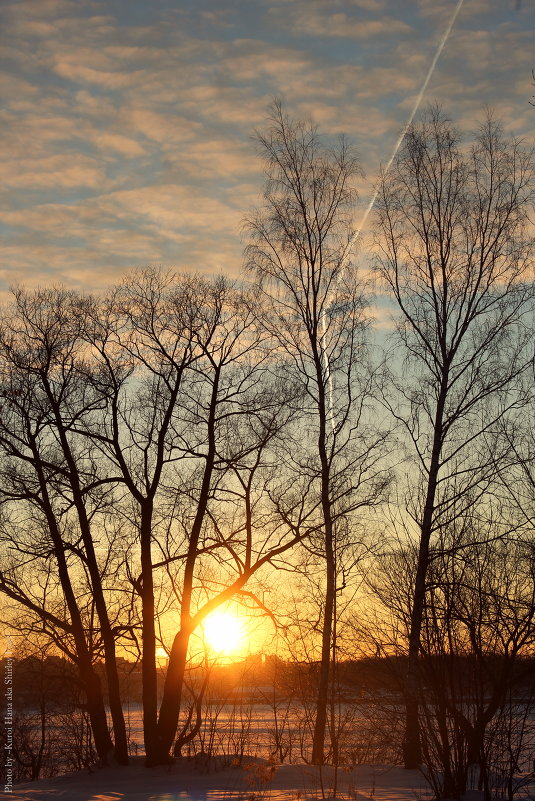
224, 632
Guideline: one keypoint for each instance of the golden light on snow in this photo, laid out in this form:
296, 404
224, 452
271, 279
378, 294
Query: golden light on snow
224, 632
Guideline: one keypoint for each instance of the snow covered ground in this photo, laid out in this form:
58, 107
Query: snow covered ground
256, 780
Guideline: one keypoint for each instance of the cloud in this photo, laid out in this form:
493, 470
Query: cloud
343, 25
160, 224
251, 59
107, 140
166, 129
15, 88
171, 209
35, 9
57, 140
85, 104
318, 19
440, 11
126, 143
77, 73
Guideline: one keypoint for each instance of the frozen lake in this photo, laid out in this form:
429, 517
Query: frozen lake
284, 733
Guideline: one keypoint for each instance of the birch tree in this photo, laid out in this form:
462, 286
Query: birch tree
455, 256
300, 252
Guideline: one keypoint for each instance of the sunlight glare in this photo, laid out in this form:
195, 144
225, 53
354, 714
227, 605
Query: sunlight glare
224, 632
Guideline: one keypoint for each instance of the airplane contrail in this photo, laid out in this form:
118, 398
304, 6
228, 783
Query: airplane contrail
415, 108
393, 155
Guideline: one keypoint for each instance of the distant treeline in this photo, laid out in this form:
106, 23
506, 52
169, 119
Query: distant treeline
257, 679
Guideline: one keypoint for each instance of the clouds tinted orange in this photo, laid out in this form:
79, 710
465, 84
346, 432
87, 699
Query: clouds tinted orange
126, 126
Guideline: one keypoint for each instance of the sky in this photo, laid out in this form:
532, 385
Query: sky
126, 125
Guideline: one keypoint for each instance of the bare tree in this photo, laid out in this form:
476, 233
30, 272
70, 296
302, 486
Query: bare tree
476, 654
455, 254
48, 479
479, 628
300, 251
143, 339
238, 414
187, 416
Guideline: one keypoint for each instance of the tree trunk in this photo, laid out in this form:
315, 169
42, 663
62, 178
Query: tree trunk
110, 661
412, 752
172, 695
411, 746
148, 659
97, 713
318, 740
120, 751
91, 682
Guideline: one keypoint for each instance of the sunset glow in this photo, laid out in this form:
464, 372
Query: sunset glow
224, 632
267, 454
